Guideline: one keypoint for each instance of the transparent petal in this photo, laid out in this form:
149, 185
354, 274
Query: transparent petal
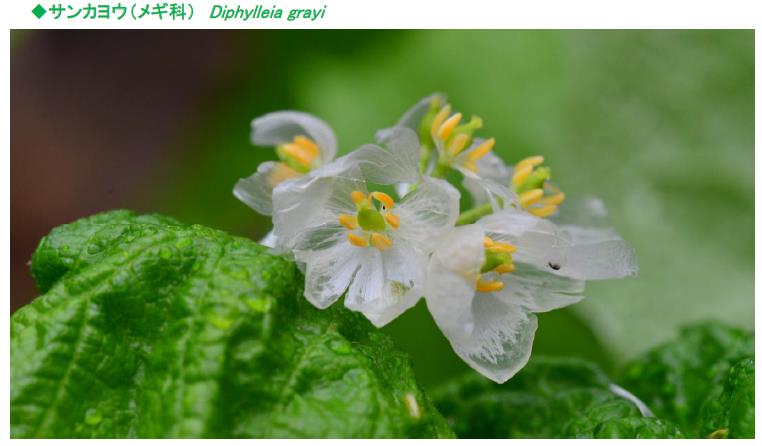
492, 336
552, 249
412, 118
396, 163
537, 291
585, 218
279, 127
256, 191
312, 202
387, 284
328, 272
269, 240
428, 211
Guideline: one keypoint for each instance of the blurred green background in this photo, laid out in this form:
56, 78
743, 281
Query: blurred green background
660, 124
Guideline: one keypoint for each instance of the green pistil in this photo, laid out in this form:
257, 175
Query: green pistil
493, 260
474, 214
371, 220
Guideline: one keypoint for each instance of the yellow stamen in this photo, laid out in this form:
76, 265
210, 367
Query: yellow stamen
481, 150
530, 197
308, 145
392, 219
553, 200
280, 173
488, 287
383, 198
358, 197
520, 174
505, 268
532, 161
488, 242
439, 119
502, 247
380, 241
542, 211
457, 144
446, 128
348, 221
356, 240
298, 153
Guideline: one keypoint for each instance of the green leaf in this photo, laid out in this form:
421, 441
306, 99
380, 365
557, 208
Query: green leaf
549, 398
151, 328
728, 411
677, 378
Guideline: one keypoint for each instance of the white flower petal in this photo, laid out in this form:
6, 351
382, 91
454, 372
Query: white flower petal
387, 284
256, 191
312, 202
492, 336
269, 240
397, 163
428, 210
537, 291
279, 127
412, 118
552, 249
328, 272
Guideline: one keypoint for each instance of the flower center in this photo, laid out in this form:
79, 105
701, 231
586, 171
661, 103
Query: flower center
301, 154
497, 260
373, 219
536, 195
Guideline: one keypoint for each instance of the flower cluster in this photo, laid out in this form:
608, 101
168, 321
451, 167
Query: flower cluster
382, 226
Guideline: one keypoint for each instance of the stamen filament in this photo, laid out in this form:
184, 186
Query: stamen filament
380, 241
488, 287
392, 219
481, 150
542, 211
439, 119
356, 240
446, 128
383, 198
348, 221
530, 197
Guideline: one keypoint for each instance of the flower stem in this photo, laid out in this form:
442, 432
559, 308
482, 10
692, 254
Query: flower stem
473, 214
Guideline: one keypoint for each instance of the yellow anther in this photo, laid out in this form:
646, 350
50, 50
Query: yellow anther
471, 165
520, 174
532, 161
542, 211
348, 221
358, 197
505, 268
380, 241
439, 119
457, 144
488, 287
280, 173
502, 247
481, 150
392, 219
488, 242
383, 198
298, 153
446, 128
530, 197
553, 200
356, 240
308, 145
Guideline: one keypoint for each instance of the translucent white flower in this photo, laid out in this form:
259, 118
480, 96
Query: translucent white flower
485, 281
346, 236
302, 142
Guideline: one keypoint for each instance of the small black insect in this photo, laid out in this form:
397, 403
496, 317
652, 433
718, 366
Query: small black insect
555, 266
